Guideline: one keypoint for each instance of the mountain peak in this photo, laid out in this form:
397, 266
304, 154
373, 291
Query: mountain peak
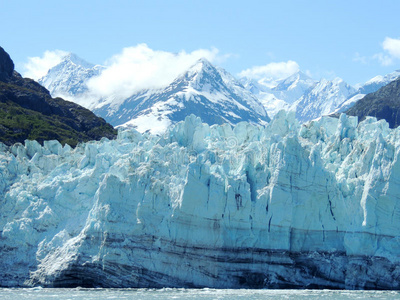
300, 75
201, 65
304, 76
203, 61
377, 82
294, 79
293, 87
337, 80
75, 59
69, 77
201, 73
329, 83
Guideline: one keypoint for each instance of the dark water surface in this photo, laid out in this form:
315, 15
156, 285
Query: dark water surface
145, 294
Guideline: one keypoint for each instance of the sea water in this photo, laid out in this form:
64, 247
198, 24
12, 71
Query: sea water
205, 294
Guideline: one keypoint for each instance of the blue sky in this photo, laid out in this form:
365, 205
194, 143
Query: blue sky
355, 40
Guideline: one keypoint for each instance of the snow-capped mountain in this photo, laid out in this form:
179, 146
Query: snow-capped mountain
208, 92
369, 87
310, 99
204, 90
293, 87
68, 78
211, 93
322, 99
276, 95
377, 82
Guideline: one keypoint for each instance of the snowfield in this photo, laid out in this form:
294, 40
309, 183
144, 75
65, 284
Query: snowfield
285, 205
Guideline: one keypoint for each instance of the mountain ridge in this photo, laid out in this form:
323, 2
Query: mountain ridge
322, 99
205, 90
298, 92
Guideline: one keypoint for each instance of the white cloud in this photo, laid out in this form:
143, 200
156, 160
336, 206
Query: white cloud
391, 52
392, 46
384, 59
139, 67
361, 59
271, 71
37, 67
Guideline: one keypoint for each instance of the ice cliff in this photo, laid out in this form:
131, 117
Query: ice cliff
207, 206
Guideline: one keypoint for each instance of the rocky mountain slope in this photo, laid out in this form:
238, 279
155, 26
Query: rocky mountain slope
27, 111
382, 104
282, 206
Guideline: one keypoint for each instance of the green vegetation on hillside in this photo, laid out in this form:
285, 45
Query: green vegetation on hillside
18, 124
28, 112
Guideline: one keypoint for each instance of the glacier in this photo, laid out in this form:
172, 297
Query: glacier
277, 206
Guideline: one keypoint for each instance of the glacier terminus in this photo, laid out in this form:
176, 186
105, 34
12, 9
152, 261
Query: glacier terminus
283, 205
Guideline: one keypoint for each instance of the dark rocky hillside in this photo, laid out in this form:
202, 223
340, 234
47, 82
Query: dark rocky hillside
382, 104
27, 111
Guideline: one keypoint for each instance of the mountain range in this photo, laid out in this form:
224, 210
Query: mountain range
211, 93
205, 90
311, 99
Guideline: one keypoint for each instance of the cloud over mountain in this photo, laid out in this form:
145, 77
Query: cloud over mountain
133, 69
274, 70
